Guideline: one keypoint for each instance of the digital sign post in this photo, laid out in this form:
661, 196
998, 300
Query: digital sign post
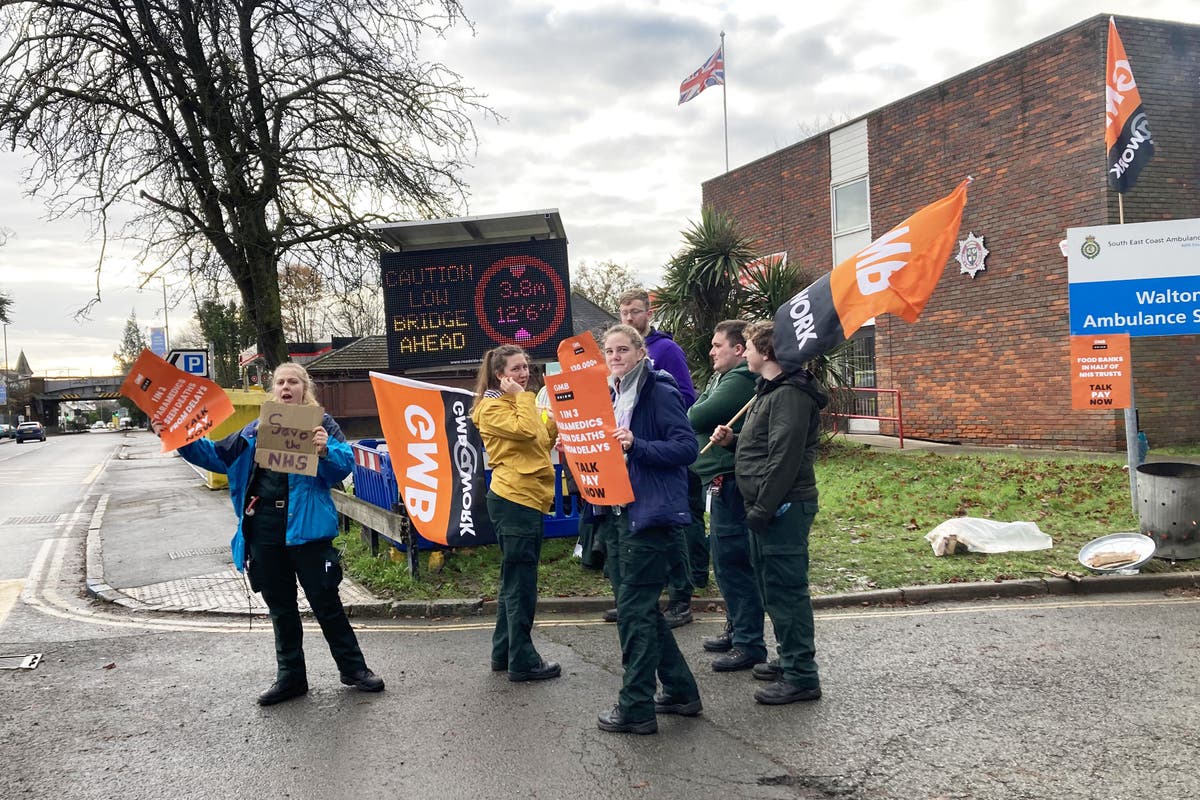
451, 305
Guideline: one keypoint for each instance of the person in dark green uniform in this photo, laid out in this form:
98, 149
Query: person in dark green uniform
653, 432
517, 438
729, 389
286, 527
774, 457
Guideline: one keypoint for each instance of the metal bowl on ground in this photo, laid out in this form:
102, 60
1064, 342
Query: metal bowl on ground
1137, 546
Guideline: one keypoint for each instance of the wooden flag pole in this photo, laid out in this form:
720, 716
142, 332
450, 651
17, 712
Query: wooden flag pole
729, 424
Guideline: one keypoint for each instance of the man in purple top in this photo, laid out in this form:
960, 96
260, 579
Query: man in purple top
689, 567
664, 353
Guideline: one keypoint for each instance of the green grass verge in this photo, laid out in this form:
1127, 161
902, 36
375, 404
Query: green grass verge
876, 507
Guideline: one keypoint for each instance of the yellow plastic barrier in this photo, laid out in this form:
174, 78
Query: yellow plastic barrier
246, 407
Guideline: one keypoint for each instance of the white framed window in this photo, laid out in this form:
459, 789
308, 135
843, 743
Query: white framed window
851, 207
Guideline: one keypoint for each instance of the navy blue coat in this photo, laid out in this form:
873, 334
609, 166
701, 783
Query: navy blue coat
664, 444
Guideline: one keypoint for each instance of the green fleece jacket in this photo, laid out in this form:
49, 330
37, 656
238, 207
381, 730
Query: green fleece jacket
724, 396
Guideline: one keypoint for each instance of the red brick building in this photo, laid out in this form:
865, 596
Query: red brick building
987, 363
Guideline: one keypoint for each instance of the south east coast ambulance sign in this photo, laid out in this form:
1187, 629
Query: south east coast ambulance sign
1141, 279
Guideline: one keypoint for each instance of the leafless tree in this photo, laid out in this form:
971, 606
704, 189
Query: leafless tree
355, 309
603, 283
302, 299
246, 133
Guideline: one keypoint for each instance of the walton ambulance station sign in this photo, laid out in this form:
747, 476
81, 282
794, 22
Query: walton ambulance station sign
1142, 279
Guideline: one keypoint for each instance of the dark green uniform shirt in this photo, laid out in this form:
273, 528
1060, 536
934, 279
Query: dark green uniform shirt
724, 396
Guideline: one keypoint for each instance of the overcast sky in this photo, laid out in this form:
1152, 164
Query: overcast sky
588, 93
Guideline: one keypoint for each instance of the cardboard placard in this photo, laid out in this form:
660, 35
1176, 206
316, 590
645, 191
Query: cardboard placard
285, 438
1100, 372
583, 412
185, 406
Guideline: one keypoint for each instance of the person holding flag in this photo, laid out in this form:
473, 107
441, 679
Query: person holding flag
517, 439
773, 463
731, 387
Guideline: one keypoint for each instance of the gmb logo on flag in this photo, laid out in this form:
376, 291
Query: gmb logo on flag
895, 274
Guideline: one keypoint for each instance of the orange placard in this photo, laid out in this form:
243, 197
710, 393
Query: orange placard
187, 406
583, 411
1101, 374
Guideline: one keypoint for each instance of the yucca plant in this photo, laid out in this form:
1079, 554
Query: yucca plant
700, 285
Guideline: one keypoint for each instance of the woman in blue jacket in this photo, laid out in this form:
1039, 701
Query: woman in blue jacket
658, 442
286, 526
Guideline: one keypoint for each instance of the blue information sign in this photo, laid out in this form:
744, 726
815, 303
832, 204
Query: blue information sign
158, 342
1142, 279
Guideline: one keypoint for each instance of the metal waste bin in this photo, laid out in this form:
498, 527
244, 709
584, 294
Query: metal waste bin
1169, 507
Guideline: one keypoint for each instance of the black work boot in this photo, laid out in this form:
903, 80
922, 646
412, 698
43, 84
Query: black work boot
721, 643
782, 692
735, 660
364, 680
614, 721
678, 613
283, 690
768, 670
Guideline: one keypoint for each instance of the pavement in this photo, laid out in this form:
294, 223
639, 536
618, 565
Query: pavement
158, 541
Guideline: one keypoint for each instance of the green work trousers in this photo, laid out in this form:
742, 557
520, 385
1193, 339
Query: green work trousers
519, 532
780, 559
637, 565
274, 569
687, 569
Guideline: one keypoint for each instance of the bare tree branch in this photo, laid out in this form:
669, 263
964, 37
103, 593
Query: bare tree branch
247, 133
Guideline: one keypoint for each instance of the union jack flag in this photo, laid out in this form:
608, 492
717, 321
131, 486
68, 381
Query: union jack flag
711, 74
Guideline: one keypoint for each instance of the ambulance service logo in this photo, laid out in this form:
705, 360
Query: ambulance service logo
1090, 248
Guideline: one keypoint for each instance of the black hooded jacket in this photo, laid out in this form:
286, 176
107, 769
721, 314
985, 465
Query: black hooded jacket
777, 446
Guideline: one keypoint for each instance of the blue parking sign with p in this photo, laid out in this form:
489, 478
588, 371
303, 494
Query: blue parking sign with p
193, 362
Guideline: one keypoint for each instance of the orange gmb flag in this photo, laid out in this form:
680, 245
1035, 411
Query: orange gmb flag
437, 456
895, 274
1126, 130
583, 412
187, 406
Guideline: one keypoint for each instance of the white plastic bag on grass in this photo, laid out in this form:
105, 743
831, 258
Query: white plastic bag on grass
986, 536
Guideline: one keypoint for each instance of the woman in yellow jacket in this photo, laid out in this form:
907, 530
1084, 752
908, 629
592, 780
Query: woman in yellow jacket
518, 442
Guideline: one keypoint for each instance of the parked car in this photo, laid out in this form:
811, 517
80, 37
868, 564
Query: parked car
7, 431
31, 430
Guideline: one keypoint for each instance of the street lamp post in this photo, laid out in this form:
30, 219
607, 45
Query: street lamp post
5, 370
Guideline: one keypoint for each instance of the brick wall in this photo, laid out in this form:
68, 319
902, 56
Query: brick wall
988, 362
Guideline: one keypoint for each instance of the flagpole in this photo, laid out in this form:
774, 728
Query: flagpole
1131, 440
724, 100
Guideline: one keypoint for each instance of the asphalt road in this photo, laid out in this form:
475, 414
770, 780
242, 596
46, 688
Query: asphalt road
1078, 697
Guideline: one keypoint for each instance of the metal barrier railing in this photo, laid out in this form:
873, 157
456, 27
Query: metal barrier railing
836, 415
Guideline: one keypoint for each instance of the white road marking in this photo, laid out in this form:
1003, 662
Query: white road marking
10, 592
